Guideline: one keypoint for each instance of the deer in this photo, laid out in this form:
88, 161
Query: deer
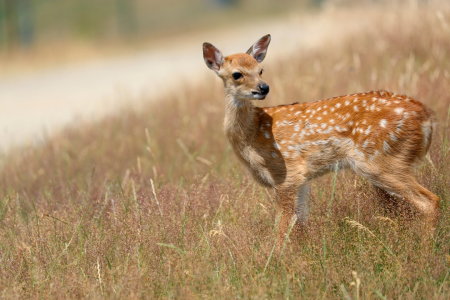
379, 135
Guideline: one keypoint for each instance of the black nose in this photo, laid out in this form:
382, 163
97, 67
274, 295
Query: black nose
264, 88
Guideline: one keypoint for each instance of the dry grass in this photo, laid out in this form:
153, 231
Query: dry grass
154, 205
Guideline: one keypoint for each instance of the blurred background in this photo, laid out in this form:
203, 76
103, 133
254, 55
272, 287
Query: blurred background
62, 60
30, 24
65, 60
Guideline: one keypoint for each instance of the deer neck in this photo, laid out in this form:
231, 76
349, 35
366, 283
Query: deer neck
240, 120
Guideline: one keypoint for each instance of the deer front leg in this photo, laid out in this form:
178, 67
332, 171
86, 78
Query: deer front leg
285, 199
302, 204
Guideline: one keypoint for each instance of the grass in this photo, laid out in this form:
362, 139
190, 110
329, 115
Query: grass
155, 205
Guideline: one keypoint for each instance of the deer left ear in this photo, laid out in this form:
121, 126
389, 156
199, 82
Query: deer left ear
259, 49
212, 56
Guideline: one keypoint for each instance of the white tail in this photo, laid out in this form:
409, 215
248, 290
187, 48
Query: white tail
377, 134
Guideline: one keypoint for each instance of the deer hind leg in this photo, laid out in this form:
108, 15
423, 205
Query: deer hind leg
426, 202
399, 188
389, 203
421, 202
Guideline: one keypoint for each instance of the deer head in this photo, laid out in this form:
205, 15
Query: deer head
241, 73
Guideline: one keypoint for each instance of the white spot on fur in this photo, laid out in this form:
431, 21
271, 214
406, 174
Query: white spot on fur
375, 154
276, 146
267, 135
383, 123
355, 108
393, 137
347, 103
328, 130
398, 110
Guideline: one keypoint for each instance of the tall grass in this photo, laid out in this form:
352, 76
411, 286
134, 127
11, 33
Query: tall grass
151, 203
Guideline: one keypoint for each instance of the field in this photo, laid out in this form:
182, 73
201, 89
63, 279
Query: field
152, 203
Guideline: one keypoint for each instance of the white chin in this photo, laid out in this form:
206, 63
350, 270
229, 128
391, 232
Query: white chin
258, 97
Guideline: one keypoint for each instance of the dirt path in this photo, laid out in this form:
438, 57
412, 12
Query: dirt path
37, 104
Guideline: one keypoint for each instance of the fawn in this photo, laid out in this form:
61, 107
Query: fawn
378, 134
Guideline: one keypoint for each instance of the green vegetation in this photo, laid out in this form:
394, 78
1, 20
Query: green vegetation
153, 204
25, 22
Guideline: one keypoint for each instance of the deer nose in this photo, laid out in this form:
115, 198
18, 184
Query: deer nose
264, 88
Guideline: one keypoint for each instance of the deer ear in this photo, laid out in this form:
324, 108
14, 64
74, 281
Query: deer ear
212, 56
259, 49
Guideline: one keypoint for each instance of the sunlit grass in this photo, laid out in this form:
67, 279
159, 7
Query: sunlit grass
152, 203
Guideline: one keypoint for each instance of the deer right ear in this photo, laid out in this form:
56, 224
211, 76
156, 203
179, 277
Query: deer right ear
259, 49
212, 56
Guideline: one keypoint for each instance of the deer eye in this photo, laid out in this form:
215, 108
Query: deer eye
237, 75
260, 72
